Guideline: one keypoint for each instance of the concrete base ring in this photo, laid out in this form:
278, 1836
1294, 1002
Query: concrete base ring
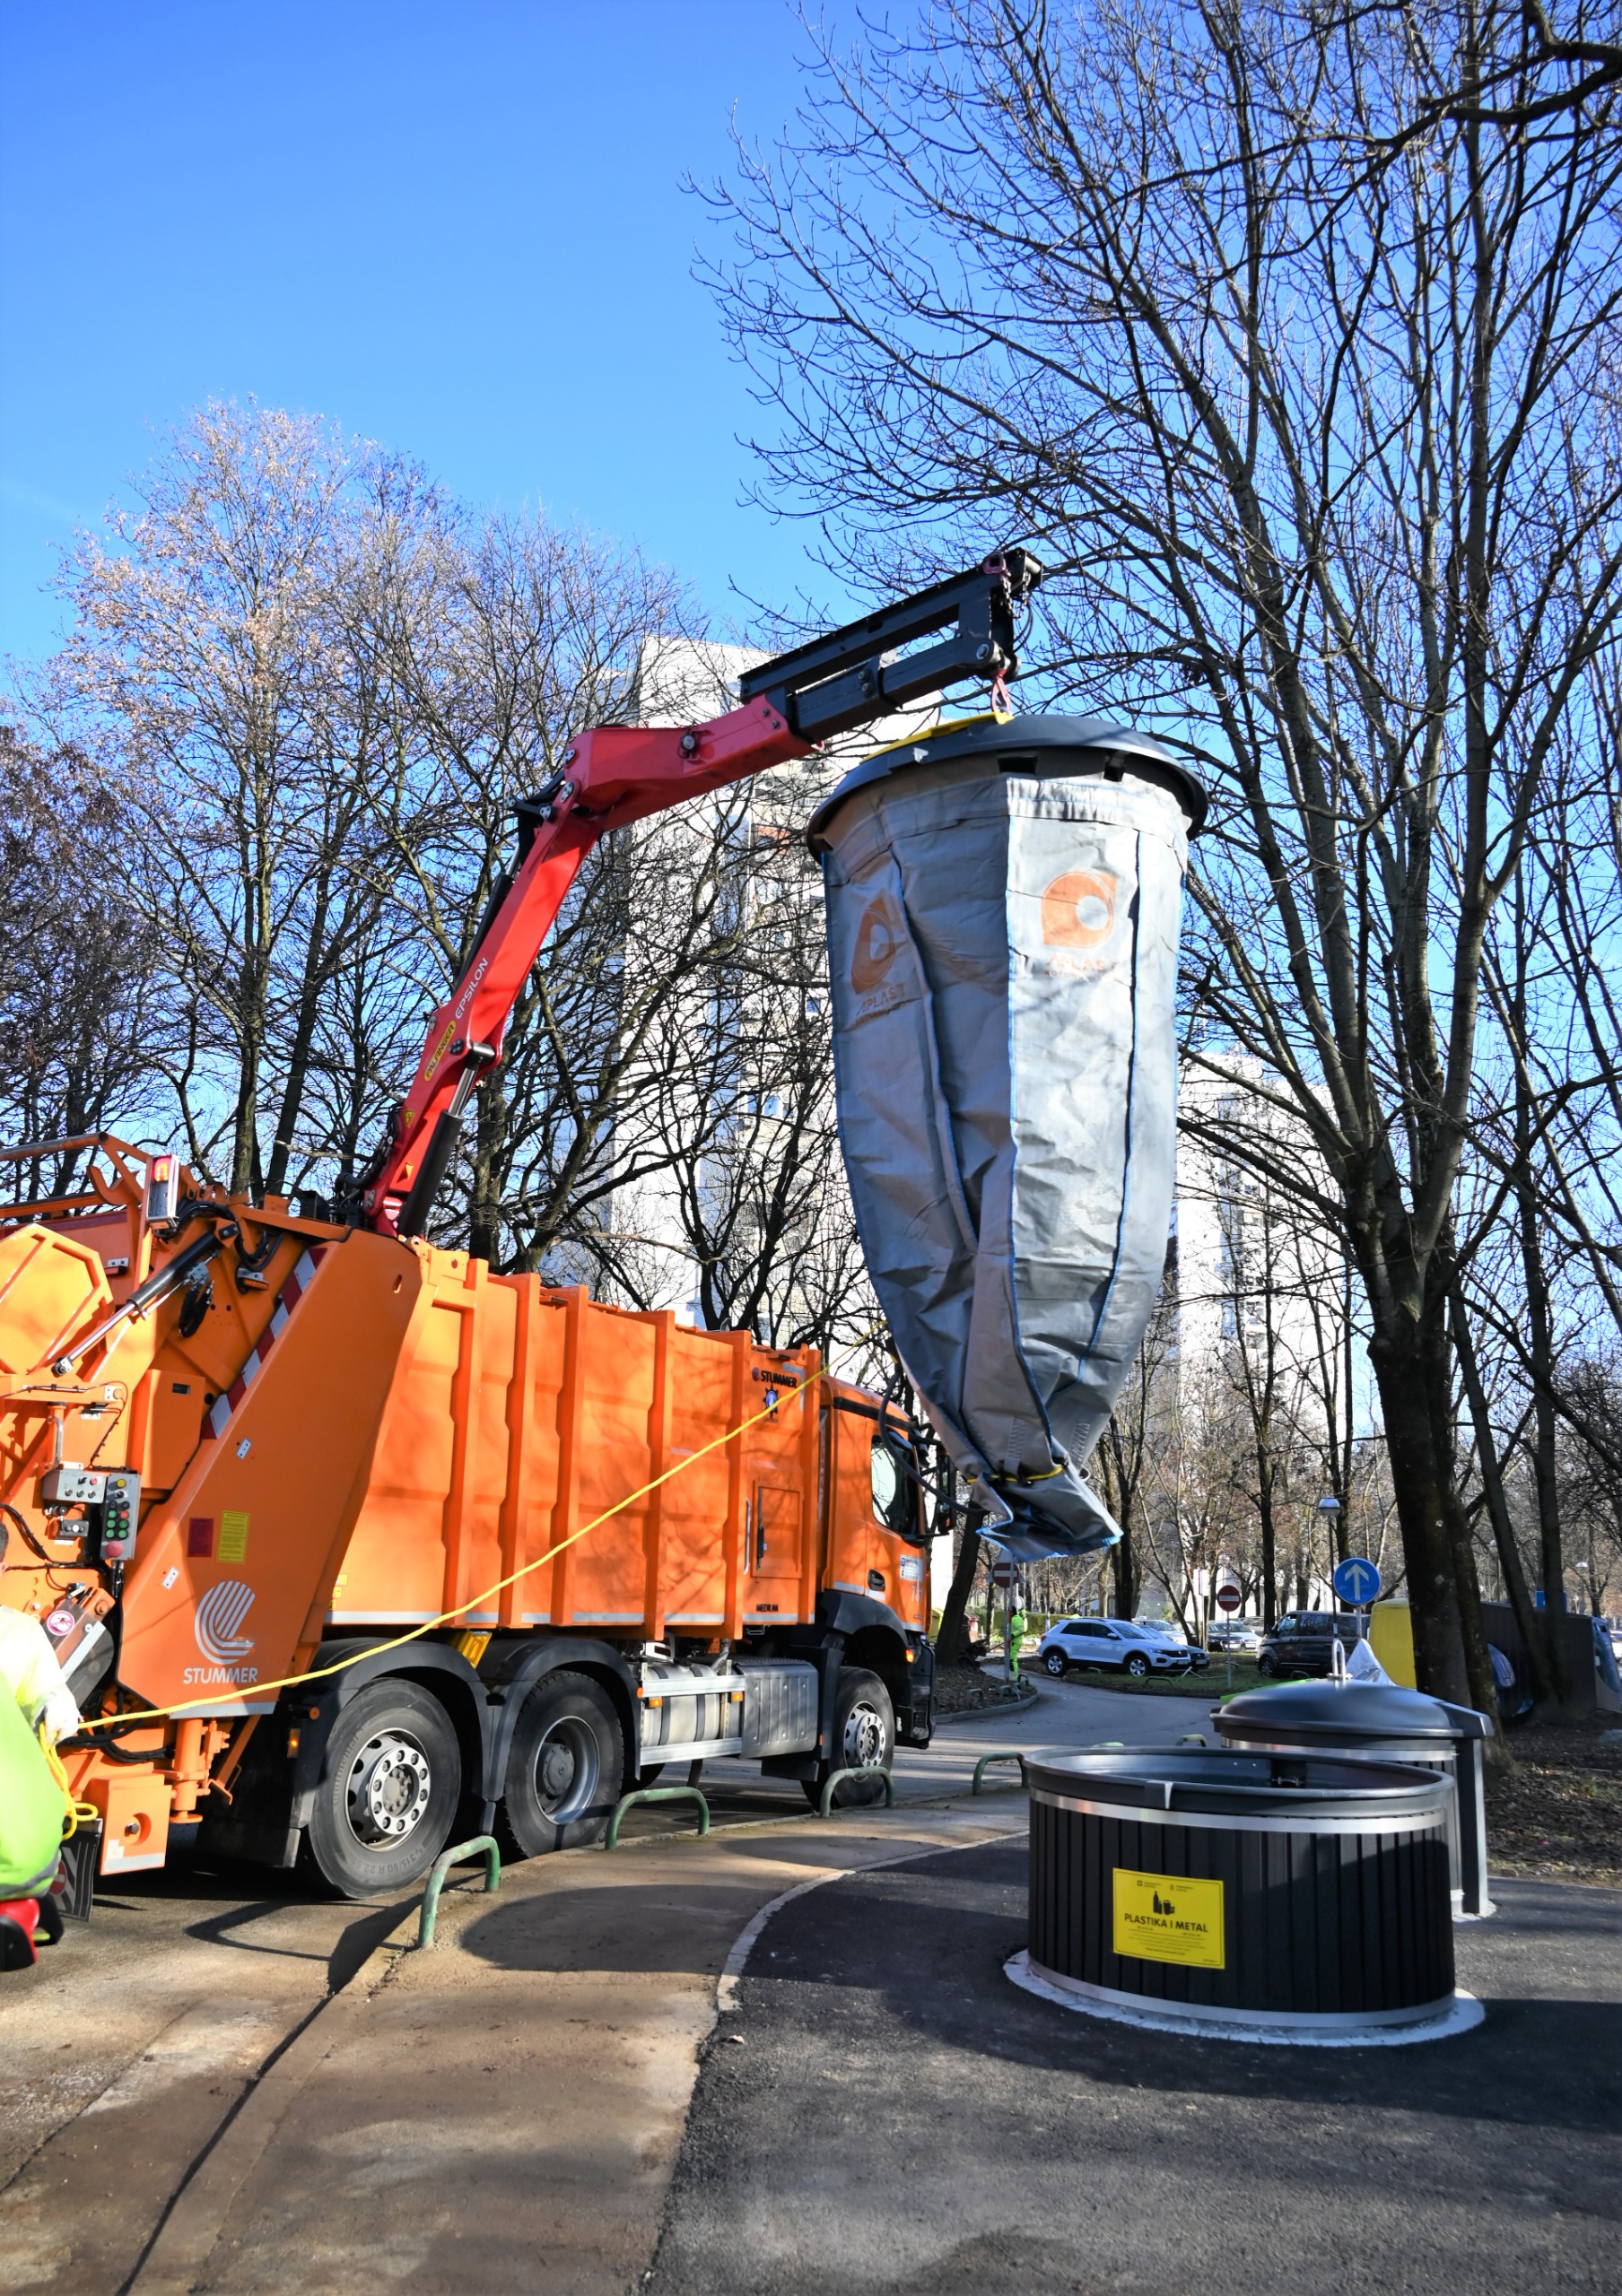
1459, 2014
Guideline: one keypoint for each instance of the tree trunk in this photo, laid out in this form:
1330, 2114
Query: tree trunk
1126, 1574
1532, 1637
950, 1645
1551, 1550
312, 981
490, 1131
1450, 1647
1270, 1545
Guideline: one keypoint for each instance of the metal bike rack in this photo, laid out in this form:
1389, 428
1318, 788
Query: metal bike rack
482, 1844
611, 1839
836, 1777
983, 1764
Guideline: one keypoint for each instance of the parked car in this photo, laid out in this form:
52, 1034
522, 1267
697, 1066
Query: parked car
1235, 1634
1303, 1642
1116, 1645
1198, 1658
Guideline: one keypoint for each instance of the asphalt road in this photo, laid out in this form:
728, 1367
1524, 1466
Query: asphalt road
884, 2110
131, 2041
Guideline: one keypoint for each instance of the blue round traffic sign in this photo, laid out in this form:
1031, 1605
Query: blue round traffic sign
1357, 1582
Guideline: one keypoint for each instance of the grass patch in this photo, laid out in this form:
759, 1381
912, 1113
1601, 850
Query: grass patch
1208, 1687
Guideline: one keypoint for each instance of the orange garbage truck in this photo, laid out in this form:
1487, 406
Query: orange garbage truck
349, 1543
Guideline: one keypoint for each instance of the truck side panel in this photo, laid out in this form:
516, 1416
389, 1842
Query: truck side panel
227, 1567
519, 1414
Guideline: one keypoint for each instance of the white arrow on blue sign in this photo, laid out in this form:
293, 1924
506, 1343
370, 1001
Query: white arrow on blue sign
1357, 1582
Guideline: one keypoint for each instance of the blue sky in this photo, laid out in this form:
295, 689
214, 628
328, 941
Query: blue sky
457, 230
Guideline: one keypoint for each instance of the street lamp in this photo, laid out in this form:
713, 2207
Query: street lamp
1329, 1506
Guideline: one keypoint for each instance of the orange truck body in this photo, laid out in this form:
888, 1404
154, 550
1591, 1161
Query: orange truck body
342, 1437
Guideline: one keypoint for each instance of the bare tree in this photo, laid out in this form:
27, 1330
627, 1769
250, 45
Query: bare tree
209, 682
1331, 456
77, 1005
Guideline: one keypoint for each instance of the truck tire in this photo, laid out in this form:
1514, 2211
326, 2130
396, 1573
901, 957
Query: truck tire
388, 1792
566, 1768
864, 1738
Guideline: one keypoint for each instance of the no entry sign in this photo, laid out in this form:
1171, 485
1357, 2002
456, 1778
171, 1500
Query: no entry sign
1228, 1598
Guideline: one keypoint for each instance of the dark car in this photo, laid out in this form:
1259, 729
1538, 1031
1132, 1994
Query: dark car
1303, 1642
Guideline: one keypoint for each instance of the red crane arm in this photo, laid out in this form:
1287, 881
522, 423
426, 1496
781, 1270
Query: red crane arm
617, 774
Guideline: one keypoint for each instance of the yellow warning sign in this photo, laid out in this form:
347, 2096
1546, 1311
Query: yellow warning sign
234, 1536
1163, 1918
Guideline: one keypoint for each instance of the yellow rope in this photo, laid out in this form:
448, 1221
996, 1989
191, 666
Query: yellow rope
416, 1633
78, 1812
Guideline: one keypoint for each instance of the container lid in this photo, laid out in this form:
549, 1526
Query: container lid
1343, 1713
1040, 744
1237, 1782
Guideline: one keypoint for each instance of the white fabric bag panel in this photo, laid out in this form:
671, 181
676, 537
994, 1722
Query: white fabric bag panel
1003, 954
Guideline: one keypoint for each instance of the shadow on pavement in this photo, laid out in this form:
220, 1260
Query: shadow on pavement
978, 2138
932, 1936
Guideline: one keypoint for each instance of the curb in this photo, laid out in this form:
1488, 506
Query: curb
989, 1713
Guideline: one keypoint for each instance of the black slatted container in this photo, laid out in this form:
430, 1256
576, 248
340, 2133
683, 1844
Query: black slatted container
1333, 1912
1389, 1724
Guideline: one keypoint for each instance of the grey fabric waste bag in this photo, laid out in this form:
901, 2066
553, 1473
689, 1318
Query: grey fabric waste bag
1003, 904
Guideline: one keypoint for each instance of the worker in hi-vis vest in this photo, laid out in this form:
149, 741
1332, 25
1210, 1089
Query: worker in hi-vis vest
33, 1696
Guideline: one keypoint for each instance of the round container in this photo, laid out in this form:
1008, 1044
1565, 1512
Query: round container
1392, 1724
1285, 1895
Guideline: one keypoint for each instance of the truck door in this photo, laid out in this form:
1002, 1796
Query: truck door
775, 1532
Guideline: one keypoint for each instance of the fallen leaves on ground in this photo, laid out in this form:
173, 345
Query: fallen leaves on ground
965, 1690
1558, 1814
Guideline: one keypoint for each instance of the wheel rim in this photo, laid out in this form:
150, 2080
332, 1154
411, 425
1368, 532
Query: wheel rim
387, 1790
568, 1765
1055, 1664
1139, 1667
864, 1738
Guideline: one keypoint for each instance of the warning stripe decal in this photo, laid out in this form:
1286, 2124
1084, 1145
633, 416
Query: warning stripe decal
287, 1300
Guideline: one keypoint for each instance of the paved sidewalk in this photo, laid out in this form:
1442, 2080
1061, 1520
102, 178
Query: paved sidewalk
900, 2117
194, 2005
503, 2112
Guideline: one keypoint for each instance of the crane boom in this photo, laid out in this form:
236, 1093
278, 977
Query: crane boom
615, 775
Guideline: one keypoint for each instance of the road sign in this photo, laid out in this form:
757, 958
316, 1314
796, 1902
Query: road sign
1004, 1572
1357, 1582
1228, 1598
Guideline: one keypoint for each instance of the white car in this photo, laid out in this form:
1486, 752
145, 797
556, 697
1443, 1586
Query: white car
1123, 1646
1195, 1653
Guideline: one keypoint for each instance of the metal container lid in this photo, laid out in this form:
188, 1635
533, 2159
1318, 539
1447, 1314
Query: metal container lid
1037, 746
1346, 1713
1211, 1781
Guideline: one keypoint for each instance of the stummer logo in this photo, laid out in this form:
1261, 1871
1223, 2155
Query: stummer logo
219, 1616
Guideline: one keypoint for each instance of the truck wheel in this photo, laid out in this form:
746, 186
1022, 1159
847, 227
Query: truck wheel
388, 1792
864, 1734
565, 1770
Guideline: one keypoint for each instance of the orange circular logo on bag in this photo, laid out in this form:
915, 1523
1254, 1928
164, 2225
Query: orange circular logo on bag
1078, 910
879, 938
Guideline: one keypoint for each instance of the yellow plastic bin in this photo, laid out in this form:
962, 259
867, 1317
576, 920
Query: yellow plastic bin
1391, 1635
